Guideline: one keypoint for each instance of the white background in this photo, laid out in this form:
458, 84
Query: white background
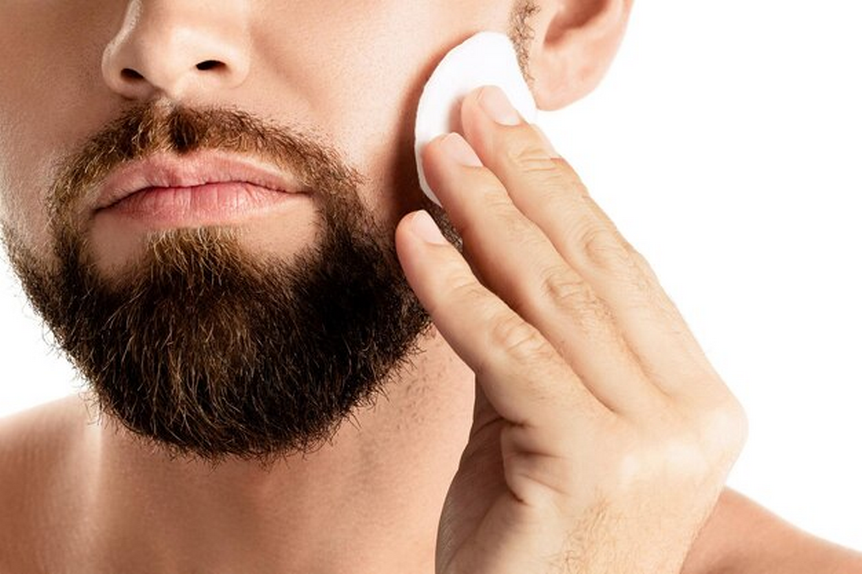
725, 144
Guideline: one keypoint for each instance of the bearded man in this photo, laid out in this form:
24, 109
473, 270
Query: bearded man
214, 207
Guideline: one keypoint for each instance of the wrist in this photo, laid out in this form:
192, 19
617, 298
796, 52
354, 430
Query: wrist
741, 536
720, 547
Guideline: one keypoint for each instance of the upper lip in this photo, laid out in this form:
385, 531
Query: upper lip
199, 168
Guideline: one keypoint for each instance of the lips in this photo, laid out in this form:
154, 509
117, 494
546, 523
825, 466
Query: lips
186, 179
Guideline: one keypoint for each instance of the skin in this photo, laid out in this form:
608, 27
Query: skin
371, 502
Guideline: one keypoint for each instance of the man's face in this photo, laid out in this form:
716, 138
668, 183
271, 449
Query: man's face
249, 332
349, 73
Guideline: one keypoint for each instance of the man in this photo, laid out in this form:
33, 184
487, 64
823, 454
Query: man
214, 207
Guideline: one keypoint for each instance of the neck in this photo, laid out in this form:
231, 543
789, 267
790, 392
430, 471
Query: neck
369, 501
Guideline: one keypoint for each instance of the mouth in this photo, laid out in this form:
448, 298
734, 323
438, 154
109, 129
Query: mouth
203, 187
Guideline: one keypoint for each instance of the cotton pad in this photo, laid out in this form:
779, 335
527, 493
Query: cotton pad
488, 58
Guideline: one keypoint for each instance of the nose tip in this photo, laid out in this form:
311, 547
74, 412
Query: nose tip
166, 51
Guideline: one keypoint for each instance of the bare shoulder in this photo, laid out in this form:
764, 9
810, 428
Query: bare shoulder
36, 437
39, 448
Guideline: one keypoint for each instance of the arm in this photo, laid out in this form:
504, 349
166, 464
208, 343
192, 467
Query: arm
742, 537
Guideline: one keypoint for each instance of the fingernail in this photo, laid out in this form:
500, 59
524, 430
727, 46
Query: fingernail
426, 229
459, 150
549, 147
497, 106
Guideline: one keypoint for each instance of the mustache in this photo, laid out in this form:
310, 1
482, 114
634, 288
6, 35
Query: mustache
158, 127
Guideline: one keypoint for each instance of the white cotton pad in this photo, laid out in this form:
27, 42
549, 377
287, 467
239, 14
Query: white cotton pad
488, 58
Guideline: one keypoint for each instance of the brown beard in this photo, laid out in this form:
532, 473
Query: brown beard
203, 348
205, 351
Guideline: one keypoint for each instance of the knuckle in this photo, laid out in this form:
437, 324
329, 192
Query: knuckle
652, 454
530, 157
682, 451
630, 468
600, 249
543, 171
564, 287
518, 339
678, 452
671, 451
568, 291
686, 460
724, 427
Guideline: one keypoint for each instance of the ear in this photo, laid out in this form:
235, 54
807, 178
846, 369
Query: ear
574, 44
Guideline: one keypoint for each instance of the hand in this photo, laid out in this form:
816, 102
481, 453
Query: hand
602, 436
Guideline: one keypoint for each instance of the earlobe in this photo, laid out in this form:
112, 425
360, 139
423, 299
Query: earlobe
575, 42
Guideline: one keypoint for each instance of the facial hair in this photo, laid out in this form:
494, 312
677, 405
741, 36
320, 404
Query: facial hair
202, 348
205, 351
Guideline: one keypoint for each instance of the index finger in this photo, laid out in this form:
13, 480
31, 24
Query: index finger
523, 376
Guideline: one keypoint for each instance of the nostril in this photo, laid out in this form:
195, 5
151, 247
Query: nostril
130, 74
209, 65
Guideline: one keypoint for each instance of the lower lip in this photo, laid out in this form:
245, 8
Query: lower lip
203, 204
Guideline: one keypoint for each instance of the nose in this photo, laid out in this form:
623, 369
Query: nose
178, 47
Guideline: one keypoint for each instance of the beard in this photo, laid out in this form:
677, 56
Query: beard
199, 347
203, 349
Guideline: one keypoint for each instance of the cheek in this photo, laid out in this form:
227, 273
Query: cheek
49, 97
24, 182
364, 78
33, 142
23, 136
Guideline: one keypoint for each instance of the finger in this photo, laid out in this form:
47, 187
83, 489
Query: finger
522, 376
517, 262
549, 192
